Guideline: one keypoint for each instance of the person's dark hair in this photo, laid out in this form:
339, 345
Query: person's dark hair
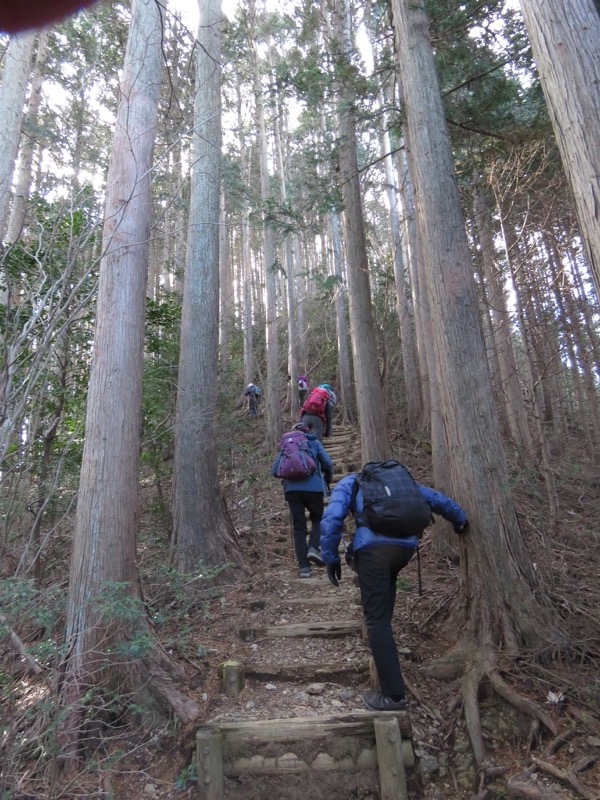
300, 426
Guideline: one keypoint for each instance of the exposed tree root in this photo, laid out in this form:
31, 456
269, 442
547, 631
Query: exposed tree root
163, 678
559, 741
566, 778
150, 683
519, 788
478, 667
522, 704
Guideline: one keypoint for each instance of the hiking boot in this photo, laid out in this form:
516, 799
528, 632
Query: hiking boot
305, 572
315, 557
375, 701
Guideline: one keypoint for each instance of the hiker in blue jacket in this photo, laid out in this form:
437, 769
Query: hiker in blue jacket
307, 495
377, 560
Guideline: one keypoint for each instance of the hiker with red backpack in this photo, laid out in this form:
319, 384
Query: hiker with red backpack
391, 512
305, 469
317, 410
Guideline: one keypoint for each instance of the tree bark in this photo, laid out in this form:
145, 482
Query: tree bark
345, 388
375, 442
17, 66
412, 385
23, 177
292, 305
503, 607
511, 394
273, 383
103, 568
226, 291
201, 532
564, 36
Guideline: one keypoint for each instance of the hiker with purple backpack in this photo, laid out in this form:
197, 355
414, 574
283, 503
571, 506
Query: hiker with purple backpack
306, 470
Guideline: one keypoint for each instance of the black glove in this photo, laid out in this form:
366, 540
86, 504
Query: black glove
350, 560
461, 528
334, 573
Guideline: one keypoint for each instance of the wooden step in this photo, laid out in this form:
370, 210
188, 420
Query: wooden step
338, 597
381, 747
301, 629
303, 672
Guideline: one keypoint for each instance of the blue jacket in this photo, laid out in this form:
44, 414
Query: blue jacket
340, 504
317, 482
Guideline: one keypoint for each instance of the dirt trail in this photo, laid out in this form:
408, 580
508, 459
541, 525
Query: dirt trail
302, 655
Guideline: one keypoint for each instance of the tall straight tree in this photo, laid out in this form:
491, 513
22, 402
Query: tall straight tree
17, 66
272, 387
375, 442
226, 290
565, 40
103, 565
23, 175
245, 249
501, 603
412, 386
511, 394
200, 525
345, 387
290, 268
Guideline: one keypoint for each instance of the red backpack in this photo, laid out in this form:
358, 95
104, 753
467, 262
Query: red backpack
316, 403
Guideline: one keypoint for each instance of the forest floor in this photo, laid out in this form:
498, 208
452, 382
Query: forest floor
201, 626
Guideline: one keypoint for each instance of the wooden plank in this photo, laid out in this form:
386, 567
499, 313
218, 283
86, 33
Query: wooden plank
319, 582
392, 778
301, 629
324, 600
290, 763
359, 723
303, 672
209, 760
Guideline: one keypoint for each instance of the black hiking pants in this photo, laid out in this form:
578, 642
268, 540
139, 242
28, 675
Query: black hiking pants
300, 503
377, 568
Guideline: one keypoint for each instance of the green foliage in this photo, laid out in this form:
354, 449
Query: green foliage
187, 777
46, 328
25, 604
116, 605
163, 319
403, 584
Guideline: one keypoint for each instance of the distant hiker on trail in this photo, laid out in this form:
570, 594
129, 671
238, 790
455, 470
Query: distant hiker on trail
383, 497
306, 470
253, 394
317, 410
302, 388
